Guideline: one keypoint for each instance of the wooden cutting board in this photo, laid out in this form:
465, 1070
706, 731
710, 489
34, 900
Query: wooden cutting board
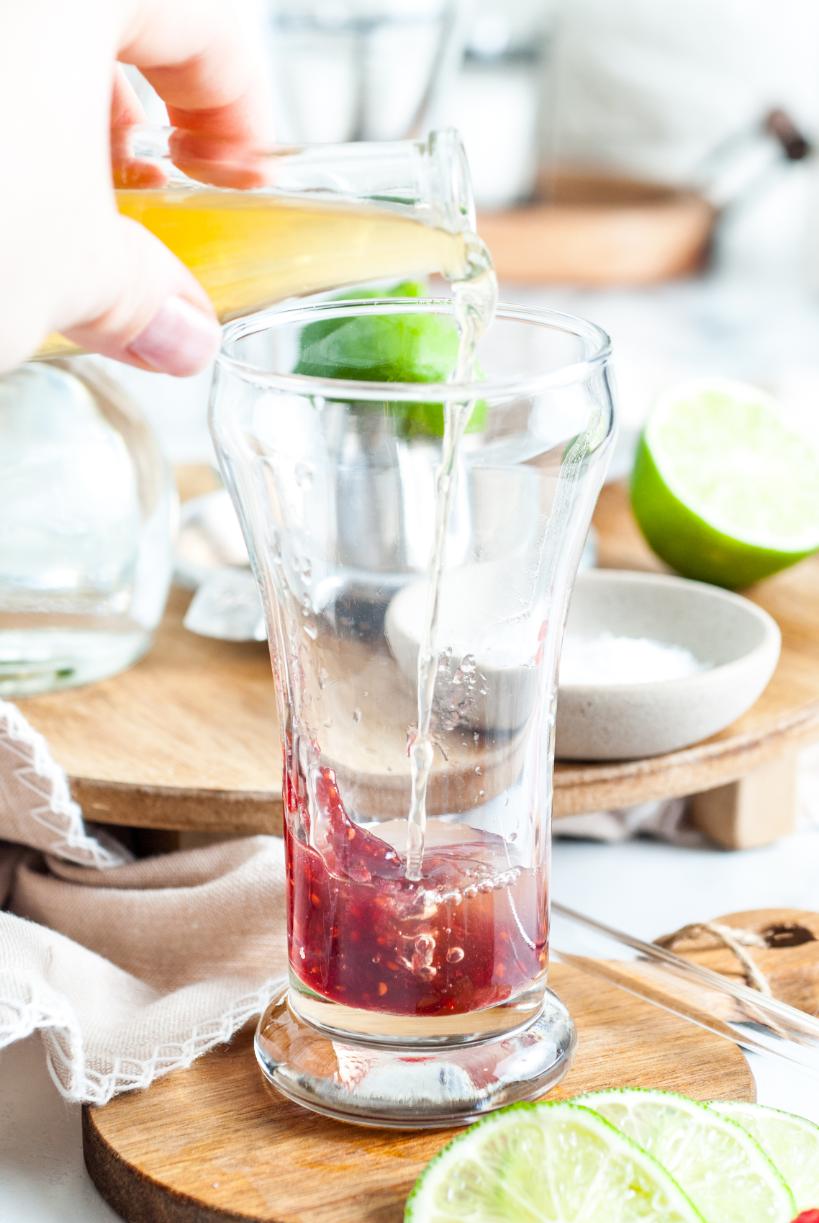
598, 229
783, 945
211, 1143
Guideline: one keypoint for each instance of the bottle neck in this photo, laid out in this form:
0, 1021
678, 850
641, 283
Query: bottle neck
428, 179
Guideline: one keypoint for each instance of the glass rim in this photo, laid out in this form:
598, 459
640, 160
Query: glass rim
309, 385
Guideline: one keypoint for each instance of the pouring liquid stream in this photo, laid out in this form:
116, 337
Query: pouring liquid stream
475, 298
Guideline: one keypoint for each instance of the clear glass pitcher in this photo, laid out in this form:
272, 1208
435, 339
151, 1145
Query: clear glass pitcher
415, 998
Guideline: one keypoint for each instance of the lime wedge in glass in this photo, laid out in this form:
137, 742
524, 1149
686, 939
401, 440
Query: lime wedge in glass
314, 332
546, 1163
724, 489
790, 1141
411, 347
724, 1171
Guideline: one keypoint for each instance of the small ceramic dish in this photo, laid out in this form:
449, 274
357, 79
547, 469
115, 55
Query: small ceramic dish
735, 647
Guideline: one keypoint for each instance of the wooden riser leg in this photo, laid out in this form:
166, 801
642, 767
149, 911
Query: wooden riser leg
756, 810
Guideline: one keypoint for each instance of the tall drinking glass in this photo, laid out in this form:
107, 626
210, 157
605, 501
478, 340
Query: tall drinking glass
415, 998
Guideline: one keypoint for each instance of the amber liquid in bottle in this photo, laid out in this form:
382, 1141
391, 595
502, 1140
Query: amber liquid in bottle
250, 250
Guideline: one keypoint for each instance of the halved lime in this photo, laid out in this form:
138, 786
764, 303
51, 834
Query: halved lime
724, 489
790, 1141
724, 1171
546, 1163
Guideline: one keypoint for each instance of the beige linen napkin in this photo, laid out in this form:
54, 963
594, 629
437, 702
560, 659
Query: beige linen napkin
129, 969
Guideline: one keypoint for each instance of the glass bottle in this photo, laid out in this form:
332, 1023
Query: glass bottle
256, 228
88, 508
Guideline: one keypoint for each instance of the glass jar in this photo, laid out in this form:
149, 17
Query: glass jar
88, 508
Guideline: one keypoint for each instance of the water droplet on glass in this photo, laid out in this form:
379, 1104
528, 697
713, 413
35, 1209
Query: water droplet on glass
454, 955
306, 569
356, 716
311, 631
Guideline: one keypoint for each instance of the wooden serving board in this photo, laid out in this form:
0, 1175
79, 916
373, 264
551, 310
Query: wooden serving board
211, 1143
187, 739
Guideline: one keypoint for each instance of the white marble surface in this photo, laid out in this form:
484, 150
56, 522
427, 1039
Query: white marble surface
649, 888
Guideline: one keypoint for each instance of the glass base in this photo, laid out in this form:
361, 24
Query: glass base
410, 1084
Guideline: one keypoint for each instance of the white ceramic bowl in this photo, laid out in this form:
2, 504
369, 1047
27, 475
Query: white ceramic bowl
736, 643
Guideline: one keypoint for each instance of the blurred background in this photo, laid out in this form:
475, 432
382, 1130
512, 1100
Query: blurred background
625, 160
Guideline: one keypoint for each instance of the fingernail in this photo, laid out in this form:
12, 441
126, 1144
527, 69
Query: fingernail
178, 340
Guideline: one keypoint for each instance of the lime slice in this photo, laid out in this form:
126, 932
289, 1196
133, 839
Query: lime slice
723, 489
790, 1141
546, 1163
724, 1171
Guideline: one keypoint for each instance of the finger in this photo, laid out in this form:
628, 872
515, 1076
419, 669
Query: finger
205, 65
223, 163
147, 309
126, 111
126, 108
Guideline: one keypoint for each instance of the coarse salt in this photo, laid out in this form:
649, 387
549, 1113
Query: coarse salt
608, 659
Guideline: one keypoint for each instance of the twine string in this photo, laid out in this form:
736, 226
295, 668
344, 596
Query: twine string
735, 939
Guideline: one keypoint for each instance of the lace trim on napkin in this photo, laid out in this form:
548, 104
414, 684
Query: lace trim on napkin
106, 1024
35, 769
64, 1046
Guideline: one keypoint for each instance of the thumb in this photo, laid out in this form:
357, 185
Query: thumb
141, 305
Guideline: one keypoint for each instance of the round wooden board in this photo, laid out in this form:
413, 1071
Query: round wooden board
187, 739
212, 1143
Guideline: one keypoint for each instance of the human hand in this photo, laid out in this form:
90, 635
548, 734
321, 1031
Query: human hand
68, 261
